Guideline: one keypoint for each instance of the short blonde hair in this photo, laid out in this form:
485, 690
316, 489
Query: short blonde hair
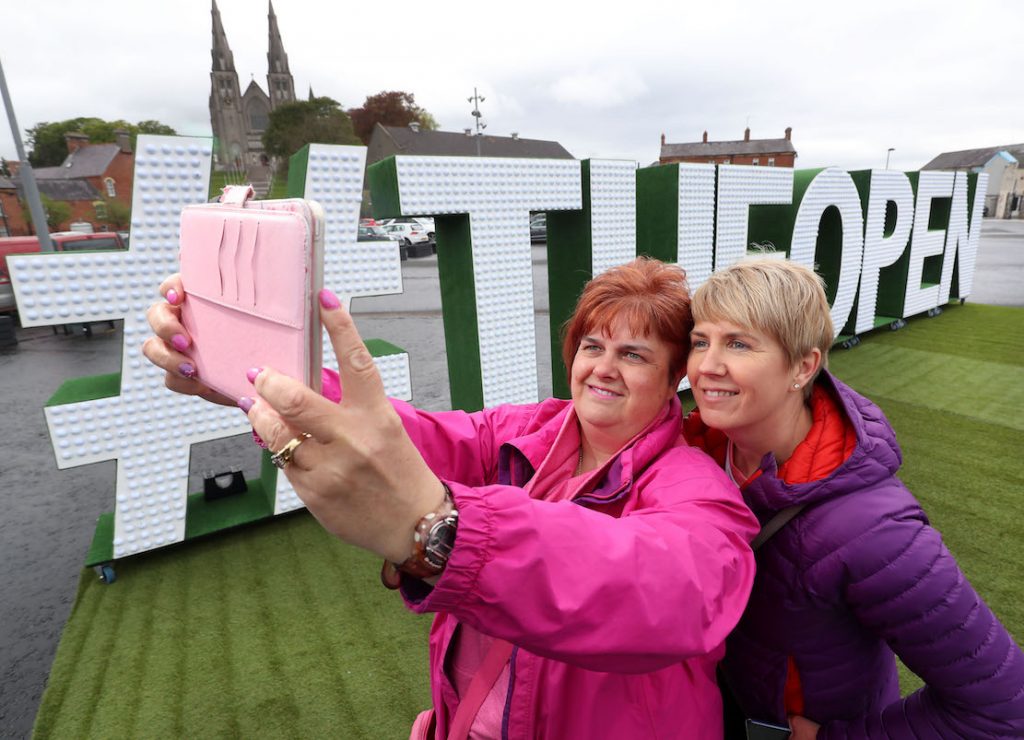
780, 298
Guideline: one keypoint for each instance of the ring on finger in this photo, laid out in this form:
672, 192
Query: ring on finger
282, 457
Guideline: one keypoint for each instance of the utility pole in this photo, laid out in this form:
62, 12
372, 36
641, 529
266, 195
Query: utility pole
480, 125
28, 178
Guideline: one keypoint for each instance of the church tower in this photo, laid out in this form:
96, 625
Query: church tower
280, 83
239, 118
225, 100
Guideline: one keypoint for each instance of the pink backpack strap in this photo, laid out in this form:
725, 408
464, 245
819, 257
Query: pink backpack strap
483, 681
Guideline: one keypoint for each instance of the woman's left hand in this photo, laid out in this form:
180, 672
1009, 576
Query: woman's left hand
359, 474
803, 728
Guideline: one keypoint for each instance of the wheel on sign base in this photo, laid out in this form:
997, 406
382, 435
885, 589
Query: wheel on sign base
107, 573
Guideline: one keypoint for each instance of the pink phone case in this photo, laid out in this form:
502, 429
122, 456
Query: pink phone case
251, 272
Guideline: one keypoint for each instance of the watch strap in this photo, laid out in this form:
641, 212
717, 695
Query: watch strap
422, 564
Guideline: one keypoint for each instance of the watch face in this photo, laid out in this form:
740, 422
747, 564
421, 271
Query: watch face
440, 540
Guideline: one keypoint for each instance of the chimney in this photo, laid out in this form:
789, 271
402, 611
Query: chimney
705, 137
515, 136
415, 126
469, 131
663, 138
124, 140
75, 141
746, 134
789, 133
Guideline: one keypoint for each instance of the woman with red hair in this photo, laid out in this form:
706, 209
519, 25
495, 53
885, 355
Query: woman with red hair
584, 565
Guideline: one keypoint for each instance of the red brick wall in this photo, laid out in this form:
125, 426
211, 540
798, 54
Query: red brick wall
121, 169
16, 221
782, 159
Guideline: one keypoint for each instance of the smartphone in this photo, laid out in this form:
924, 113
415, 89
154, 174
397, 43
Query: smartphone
766, 731
251, 272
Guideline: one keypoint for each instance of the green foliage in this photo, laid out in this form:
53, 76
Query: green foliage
47, 139
57, 212
389, 108
316, 121
115, 213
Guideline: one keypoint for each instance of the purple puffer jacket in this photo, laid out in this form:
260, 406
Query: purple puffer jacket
857, 575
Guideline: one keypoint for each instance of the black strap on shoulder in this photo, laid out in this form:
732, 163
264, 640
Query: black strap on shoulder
774, 524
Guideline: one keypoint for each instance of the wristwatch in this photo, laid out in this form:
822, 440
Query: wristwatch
433, 540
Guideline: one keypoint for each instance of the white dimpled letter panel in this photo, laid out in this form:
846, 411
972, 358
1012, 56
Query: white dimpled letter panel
925, 242
887, 186
334, 178
612, 213
148, 430
740, 187
497, 194
832, 187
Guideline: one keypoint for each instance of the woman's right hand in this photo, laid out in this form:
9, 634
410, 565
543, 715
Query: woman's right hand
168, 349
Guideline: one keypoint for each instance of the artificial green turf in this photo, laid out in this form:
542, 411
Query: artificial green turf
953, 388
278, 630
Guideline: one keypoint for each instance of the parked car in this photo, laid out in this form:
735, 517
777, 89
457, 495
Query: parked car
372, 234
407, 233
425, 222
63, 241
538, 227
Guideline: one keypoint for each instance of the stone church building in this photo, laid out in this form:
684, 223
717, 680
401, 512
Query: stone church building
239, 119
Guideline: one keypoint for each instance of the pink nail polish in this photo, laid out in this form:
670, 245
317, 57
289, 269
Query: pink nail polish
172, 297
245, 403
328, 300
180, 342
252, 372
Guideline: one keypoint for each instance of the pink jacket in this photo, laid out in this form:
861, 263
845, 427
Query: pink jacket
618, 602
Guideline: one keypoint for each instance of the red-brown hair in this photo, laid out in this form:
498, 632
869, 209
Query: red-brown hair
649, 295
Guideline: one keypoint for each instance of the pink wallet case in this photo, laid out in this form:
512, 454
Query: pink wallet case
252, 271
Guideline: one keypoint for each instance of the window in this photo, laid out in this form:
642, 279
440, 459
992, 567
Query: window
771, 161
108, 182
82, 245
100, 208
756, 161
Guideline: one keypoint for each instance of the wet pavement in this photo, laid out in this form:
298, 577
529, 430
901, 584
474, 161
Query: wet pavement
48, 515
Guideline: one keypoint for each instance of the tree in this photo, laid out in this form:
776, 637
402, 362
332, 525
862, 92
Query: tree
113, 212
57, 212
49, 147
316, 121
389, 108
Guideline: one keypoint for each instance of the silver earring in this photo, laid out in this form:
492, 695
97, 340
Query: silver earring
796, 386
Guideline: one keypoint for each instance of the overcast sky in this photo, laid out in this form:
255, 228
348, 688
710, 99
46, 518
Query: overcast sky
604, 79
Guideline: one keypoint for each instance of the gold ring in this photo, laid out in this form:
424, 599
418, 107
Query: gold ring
282, 457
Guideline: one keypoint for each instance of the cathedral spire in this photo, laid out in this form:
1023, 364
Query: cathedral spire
223, 60
276, 58
280, 83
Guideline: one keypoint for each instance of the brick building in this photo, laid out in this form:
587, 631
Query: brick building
12, 220
762, 152
90, 177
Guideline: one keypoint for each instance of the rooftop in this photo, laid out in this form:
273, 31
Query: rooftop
454, 144
90, 160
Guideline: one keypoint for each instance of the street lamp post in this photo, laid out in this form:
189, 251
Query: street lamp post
891, 150
28, 178
480, 125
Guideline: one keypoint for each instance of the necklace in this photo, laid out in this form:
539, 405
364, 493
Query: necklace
579, 463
